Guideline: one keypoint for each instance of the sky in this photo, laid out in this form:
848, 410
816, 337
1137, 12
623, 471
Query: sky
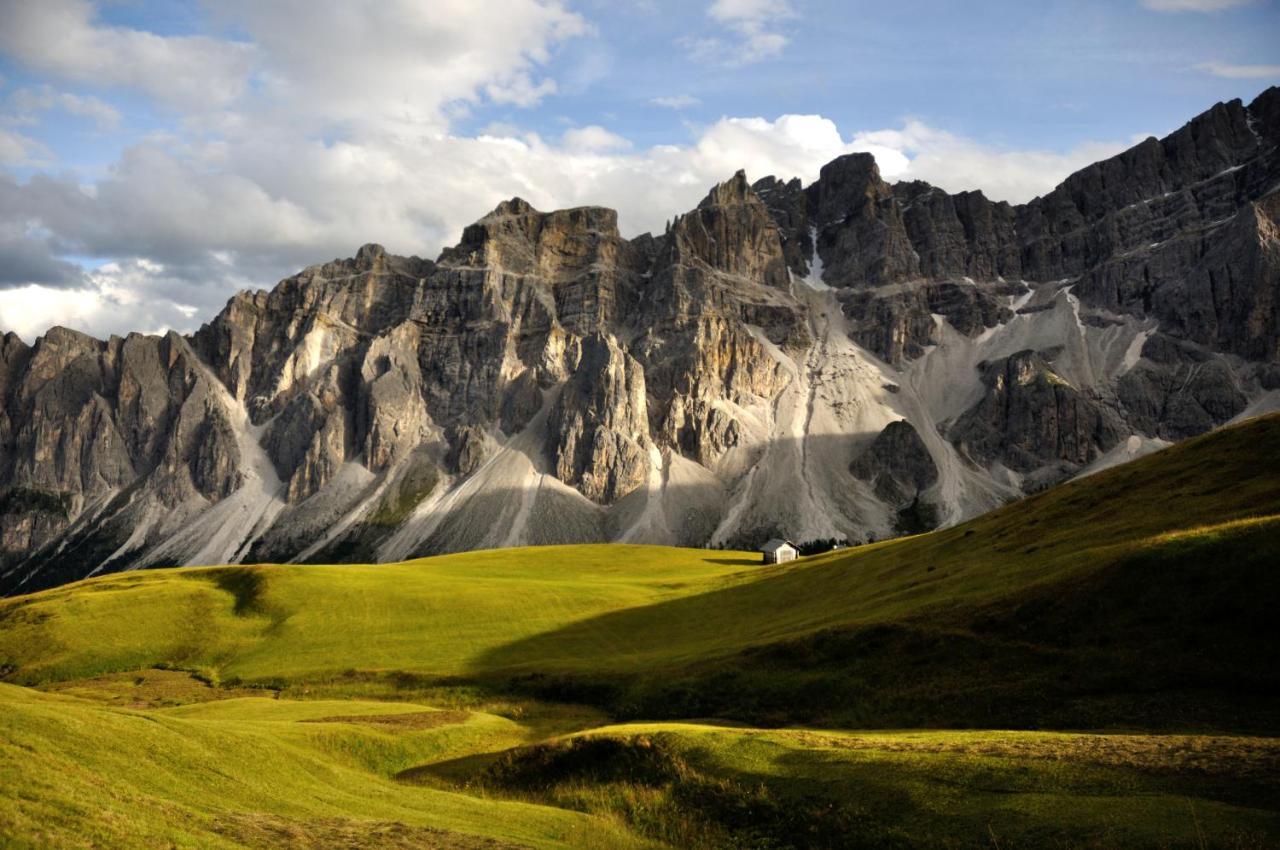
158, 155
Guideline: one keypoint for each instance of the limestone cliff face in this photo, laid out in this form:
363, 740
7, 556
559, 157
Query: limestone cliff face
89, 423
718, 298
825, 360
598, 428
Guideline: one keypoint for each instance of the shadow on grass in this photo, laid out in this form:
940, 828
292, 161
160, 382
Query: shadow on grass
1071, 609
1176, 636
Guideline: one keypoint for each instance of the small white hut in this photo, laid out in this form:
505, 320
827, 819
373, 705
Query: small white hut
778, 551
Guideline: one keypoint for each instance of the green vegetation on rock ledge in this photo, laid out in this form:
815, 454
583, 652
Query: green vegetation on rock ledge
1133, 607
21, 500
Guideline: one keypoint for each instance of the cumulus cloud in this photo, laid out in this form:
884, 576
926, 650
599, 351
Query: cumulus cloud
117, 298
955, 163
376, 63
1193, 5
397, 64
593, 139
1238, 72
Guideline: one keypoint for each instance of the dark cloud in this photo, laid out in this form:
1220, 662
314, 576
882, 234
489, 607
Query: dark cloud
25, 260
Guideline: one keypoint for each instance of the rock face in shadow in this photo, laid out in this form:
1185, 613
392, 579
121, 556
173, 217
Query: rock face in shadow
808, 360
897, 464
1030, 416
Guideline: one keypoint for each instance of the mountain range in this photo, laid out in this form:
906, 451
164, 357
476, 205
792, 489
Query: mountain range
847, 359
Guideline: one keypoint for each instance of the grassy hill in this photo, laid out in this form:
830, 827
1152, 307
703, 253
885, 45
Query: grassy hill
1137, 599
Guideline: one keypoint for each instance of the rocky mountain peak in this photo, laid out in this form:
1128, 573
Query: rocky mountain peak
848, 185
1264, 113
862, 238
369, 255
735, 190
732, 232
514, 206
519, 238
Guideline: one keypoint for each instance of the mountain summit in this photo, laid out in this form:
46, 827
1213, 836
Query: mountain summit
845, 359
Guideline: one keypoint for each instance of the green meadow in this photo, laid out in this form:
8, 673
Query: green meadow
1095, 666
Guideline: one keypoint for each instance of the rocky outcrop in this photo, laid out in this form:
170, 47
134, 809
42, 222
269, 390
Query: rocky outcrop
548, 380
897, 464
788, 206
961, 235
717, 301
862, 237
88, 421
1179, 390
265, 345
466, 449
1032, 417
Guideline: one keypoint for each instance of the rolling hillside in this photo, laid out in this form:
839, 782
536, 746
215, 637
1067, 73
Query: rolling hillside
1138, 599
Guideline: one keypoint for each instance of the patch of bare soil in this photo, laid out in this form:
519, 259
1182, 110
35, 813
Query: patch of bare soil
150, 688
408, 720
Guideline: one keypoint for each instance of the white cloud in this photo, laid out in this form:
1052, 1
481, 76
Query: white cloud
955, 163
62, 38
501, 129
678, 101
754, 12
116, 298
31, 310
593, 139
1193, 5
1222, 69
397, 65
376, 64
754, 23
